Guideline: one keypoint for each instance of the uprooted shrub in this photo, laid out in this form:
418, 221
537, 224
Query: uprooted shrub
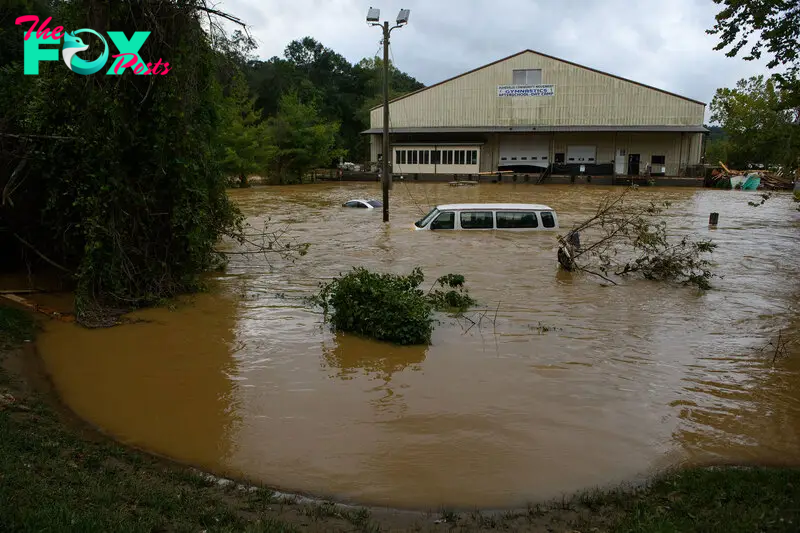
629, 239
389, 307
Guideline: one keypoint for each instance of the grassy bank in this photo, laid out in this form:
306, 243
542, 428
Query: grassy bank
57, 476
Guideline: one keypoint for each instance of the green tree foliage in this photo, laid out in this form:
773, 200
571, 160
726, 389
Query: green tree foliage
389, 307
720, 150
341, 92
244, 138
776, 24
117, 179
760, 124
303, 139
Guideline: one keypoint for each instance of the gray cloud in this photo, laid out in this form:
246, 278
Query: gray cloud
656, 42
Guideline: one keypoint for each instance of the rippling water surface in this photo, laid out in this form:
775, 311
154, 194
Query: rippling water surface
246, 381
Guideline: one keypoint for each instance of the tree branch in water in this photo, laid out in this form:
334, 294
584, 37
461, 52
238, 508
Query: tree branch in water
631, 239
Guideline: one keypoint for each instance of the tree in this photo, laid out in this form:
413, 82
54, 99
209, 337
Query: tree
342, 93
777, 23
303, 139
632, 238
244, 140
760, 124
117, 180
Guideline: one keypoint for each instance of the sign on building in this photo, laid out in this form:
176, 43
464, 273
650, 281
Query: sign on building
526, 90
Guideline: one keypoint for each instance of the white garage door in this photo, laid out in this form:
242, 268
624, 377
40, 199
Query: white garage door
524, 150
581, 154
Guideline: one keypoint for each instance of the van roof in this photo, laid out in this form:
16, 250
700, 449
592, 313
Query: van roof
538, 207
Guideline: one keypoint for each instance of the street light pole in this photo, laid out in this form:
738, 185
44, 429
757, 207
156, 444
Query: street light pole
385, 177
373, 17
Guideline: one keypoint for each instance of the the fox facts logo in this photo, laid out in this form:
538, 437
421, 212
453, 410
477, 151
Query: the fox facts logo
128, 56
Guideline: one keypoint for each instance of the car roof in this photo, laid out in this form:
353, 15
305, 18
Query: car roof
538, 207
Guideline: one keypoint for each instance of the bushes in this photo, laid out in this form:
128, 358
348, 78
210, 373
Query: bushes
389, 307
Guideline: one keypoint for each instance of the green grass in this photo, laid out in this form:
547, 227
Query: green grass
724, 500
51, 480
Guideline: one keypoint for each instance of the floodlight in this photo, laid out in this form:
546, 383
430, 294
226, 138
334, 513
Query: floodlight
402, 17
373, 15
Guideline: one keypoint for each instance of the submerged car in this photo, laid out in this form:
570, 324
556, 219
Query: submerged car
363, 204
509, 217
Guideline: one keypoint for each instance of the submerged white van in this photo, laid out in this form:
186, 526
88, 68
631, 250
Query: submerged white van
509, 217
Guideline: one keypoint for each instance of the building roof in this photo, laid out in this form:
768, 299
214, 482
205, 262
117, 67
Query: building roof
543, 129
538, 207
528, 50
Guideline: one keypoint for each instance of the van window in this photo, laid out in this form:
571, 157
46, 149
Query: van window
427, 218
548, 221
519, 219
477, 220
446, 220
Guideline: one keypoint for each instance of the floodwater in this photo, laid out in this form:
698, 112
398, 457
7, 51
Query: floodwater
625, 380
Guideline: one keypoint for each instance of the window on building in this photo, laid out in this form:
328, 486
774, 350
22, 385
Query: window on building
412, 157
472, 157
511, 220
426, 157
402, 157
462, 157
449, 154
658, 160
548, 221
397, 156
436, 157
477, 220
446, 220
527, 77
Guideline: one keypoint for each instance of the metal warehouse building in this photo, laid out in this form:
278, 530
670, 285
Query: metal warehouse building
534, 113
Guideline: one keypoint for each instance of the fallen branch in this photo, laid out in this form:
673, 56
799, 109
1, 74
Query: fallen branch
40, 254
628, 239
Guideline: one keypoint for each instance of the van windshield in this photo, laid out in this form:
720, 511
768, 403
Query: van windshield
427, 218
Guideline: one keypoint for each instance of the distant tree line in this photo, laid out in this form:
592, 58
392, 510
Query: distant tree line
304, 110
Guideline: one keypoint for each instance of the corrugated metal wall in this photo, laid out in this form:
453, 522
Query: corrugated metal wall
582, 97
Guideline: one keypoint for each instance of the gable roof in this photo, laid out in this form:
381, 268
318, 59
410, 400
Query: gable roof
528, 50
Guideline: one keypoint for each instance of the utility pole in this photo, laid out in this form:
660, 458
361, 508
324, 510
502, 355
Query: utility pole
385, 177
373, 18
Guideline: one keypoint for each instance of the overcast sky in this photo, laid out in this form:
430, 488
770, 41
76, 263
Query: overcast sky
657, 42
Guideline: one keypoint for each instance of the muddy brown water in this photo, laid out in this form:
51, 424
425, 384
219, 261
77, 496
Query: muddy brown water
631, 379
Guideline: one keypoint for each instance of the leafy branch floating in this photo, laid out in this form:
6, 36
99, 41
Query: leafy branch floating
630, 239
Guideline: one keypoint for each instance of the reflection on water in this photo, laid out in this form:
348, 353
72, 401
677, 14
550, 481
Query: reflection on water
622, 381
